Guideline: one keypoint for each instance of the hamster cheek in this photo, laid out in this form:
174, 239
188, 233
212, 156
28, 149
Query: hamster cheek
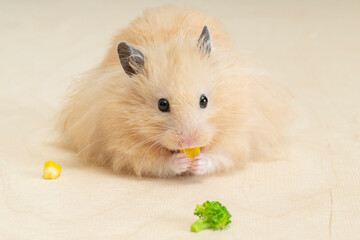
201, 165
179, 162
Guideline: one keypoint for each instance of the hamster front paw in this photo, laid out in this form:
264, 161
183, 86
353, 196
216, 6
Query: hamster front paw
179, 162
200, 164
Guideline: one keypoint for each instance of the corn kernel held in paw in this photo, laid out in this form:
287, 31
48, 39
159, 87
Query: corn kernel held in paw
191, 152
51, 170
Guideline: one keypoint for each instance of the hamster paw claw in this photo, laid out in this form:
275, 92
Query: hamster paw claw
180, 163
200, 165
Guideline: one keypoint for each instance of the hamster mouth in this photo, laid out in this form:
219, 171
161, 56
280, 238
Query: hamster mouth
178, 150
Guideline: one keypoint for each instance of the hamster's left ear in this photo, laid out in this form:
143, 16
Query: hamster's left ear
131, 59
204, 42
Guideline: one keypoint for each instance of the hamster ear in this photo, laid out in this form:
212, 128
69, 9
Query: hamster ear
204, 41
131, 59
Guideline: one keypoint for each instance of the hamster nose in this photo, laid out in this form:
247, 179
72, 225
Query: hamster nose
186, 141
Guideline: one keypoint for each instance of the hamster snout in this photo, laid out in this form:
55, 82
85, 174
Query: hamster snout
188, 140
190, 137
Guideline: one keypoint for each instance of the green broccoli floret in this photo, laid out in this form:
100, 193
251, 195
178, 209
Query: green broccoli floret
212, 215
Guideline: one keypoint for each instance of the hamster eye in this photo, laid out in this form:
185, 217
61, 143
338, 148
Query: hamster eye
203, 101
164, 105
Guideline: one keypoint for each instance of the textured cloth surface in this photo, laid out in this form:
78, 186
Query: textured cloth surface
311, 47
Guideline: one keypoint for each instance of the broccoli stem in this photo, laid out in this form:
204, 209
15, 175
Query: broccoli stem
199, 225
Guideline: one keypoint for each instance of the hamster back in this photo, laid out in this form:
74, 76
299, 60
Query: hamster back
171, 81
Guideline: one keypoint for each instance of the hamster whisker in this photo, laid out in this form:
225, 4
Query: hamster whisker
156, 143
96, 141
148, 127
141, 143
234, 129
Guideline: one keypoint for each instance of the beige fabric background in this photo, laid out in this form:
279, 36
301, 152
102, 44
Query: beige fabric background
312, 47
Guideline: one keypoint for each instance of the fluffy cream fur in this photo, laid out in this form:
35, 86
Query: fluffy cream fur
113, 120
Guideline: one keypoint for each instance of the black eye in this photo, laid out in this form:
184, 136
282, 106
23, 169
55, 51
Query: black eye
164, 105
203, 101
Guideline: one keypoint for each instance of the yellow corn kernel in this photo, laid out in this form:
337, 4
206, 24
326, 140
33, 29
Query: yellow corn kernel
51, 170
191, 152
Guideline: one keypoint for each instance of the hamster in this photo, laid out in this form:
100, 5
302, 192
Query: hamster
171, 80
